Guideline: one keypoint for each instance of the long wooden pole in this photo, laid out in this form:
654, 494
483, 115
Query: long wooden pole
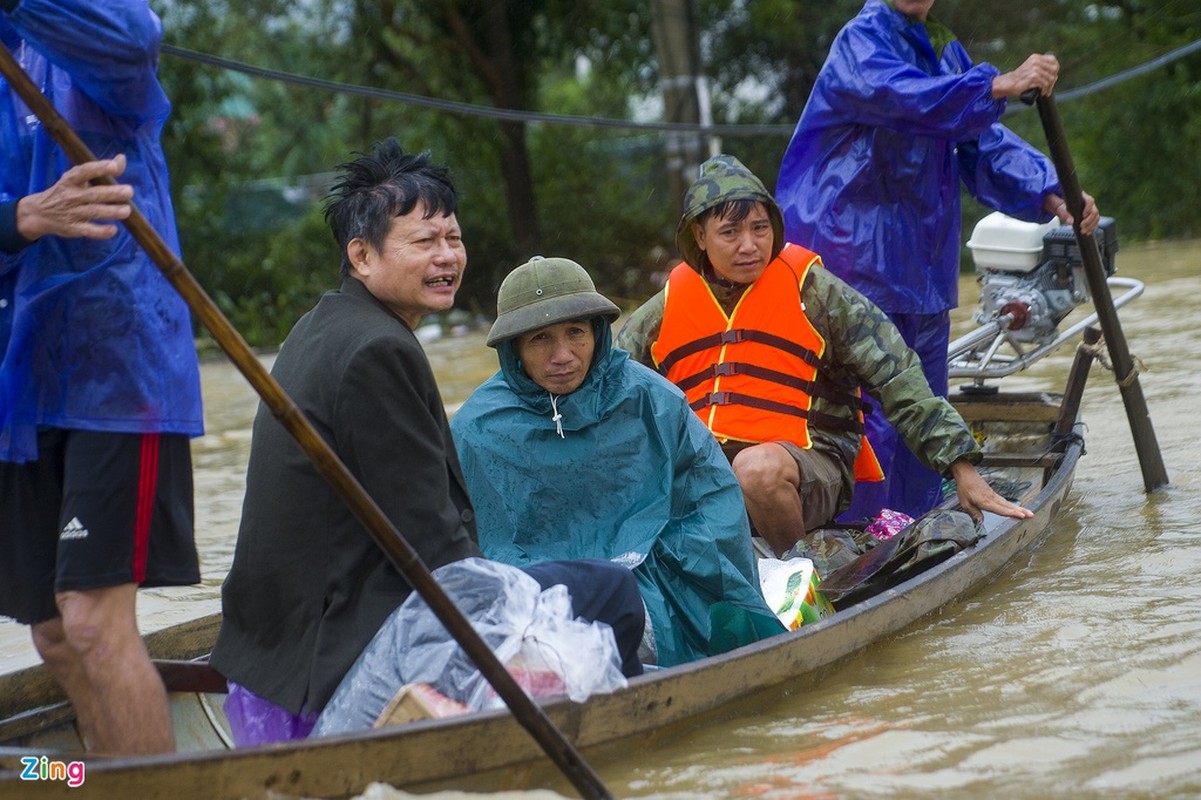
1155, 475
381, 529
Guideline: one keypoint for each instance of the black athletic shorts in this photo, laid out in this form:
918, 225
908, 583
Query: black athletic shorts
95, 510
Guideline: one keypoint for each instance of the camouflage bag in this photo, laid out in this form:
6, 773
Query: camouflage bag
833, 547
930, 540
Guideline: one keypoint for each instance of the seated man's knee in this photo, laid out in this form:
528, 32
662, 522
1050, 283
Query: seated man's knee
605, 592
761, 467
626, 615
625, 585
626, 606
615, 597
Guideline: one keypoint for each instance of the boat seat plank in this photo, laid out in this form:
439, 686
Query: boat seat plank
1020, 460
1006, 409
190, 676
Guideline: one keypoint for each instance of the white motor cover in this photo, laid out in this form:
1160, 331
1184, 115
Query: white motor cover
1000, 242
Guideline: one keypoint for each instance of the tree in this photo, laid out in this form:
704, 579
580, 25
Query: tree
243, 148
504, 54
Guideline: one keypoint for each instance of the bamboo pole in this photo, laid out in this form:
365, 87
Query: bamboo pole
1150, 460
385, 534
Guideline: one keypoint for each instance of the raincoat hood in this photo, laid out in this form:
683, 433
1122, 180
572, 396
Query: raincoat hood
588, 403
722, 179
627, 473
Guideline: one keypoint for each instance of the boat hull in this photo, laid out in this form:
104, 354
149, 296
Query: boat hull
490, 750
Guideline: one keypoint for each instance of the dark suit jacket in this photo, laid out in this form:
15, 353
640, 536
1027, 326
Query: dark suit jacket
309, 587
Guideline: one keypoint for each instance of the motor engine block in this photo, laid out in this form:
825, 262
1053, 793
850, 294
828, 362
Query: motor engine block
1036, 285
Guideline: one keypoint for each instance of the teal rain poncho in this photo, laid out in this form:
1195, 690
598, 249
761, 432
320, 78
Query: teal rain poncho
635, 478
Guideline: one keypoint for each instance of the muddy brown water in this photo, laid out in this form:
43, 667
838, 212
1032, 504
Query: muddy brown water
1076, 673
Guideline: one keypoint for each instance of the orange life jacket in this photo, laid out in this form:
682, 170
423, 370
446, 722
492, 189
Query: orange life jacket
751, 376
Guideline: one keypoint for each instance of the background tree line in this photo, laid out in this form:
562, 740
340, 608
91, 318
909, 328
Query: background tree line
251, 156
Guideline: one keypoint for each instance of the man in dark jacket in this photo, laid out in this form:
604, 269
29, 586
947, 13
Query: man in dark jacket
308, 587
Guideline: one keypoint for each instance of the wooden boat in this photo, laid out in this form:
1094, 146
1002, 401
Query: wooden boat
1030, 437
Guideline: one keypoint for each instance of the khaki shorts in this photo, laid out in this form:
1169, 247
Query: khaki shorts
824, 491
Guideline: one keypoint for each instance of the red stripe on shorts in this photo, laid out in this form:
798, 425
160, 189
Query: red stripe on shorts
147, 488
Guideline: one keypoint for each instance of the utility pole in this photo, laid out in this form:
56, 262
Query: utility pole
685, 93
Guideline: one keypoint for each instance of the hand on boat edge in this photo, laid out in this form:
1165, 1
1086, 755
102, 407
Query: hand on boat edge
976, 496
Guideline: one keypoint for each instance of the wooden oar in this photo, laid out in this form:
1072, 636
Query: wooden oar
1155, 475
323, 457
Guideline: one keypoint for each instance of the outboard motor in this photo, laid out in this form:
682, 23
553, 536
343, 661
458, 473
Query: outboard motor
1033, 272
1031, 277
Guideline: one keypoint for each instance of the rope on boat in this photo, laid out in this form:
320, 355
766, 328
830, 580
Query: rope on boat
1099, 352
1060, 442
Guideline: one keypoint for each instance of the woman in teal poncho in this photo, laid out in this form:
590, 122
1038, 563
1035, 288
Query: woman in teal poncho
573, 451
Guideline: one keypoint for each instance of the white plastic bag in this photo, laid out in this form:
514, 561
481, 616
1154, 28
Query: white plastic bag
531, 631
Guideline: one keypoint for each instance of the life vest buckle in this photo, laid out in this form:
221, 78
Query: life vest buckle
725, 368
733, 336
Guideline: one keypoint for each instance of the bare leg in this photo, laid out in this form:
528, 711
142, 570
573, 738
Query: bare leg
121, 688
51, 644
769, 479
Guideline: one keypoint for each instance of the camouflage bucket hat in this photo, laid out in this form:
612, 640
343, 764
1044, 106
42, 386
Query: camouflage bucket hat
722, 179
546, 291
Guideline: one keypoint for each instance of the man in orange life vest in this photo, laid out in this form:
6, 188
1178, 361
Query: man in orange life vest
769, 348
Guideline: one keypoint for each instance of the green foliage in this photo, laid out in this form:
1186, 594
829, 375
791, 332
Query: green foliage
779, 45
603, 198
1131, 142
250, 157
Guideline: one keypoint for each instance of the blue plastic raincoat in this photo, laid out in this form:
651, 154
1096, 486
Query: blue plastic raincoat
635, 478
898, 117
93, 337
870, 180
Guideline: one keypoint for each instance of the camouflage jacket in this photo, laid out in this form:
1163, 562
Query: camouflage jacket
863, 348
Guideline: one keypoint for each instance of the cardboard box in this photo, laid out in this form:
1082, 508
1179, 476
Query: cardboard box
416, 701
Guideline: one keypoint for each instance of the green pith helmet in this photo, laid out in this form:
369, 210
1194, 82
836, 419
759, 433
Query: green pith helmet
722, 179
546, 291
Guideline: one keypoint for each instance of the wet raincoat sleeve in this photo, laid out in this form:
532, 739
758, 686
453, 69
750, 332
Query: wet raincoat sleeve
635, 479
869, 80
1005, 173
110, 50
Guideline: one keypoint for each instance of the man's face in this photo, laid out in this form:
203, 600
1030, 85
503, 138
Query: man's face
739, 251
557, 357
914, 9
419, 268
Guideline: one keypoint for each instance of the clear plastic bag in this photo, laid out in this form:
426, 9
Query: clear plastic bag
531, 631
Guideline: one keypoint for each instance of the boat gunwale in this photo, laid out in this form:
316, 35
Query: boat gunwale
649, 702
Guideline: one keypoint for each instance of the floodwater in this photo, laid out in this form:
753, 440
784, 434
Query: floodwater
1077, 672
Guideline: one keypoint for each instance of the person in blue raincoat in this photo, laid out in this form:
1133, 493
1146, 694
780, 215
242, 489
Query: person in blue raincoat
99, 379
898, 118
572, 450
